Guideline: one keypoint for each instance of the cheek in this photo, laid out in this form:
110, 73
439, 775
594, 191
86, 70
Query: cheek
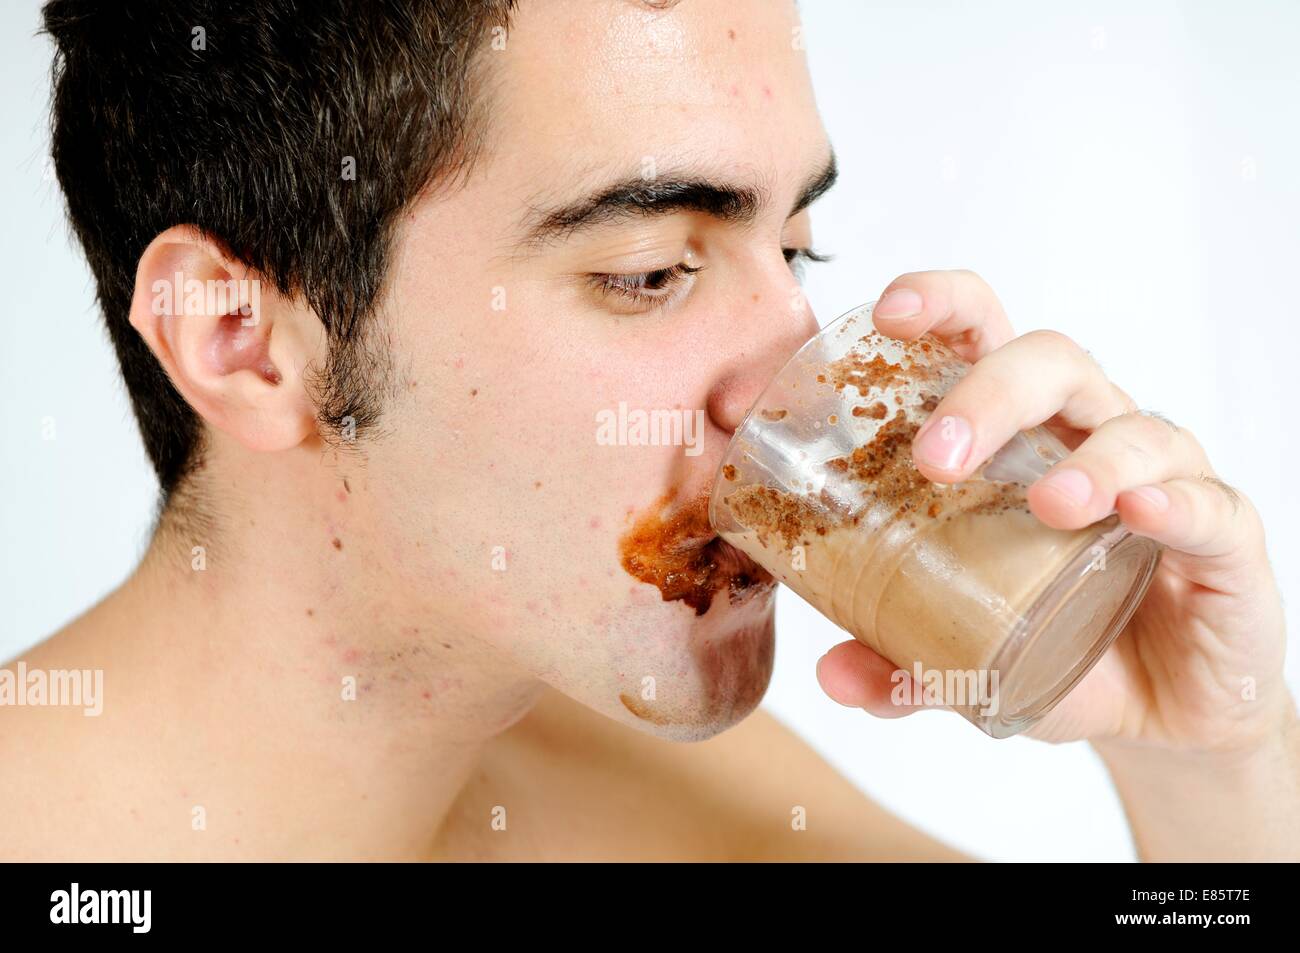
499, 501
503, 516
505, 486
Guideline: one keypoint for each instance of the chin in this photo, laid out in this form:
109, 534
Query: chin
709, 637
728, 656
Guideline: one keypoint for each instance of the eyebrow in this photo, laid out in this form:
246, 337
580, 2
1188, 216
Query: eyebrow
638, 197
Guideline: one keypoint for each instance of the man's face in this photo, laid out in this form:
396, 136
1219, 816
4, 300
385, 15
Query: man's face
524, 314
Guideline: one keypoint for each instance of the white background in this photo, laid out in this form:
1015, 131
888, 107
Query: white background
1129, 178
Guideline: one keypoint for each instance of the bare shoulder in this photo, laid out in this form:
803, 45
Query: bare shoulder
52, 783
568, 783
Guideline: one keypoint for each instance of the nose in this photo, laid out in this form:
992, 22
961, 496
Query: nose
774, 329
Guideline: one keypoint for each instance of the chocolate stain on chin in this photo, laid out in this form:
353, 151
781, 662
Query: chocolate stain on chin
735, 671
676, 550
643, 711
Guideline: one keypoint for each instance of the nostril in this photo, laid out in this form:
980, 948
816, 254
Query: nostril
772, 334
735, 392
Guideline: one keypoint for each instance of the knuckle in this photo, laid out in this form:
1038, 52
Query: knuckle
1129, 449
1235, 499
1055, 342
1151, 430
1161, 429
1123, 399
1156, 415
1253, 523
1193, 443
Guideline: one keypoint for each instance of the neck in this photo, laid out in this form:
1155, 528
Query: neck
281, 686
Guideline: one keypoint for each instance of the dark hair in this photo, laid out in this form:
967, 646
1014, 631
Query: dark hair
237, 118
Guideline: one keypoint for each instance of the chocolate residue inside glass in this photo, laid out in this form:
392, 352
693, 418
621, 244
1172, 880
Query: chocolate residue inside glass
857, 370
676, 550
880, 469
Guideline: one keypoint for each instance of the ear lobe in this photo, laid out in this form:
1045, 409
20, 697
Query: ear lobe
231, 344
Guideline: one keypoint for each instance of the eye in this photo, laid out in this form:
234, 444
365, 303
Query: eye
646, 290
796, 257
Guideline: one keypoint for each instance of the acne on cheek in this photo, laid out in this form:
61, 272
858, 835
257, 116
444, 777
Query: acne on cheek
764, 89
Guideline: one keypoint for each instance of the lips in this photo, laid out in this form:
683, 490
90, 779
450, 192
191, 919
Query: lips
735, 564
675, 549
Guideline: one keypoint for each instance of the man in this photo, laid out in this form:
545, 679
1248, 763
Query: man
386, 612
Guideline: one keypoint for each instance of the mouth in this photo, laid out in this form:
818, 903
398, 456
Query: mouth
674, 549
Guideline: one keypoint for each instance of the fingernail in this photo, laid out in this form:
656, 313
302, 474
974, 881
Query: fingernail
898, 304
1074, 485
945, 444
1153, 495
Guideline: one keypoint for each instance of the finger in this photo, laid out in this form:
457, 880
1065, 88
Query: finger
857, 677
955, 306
1201, 516
1036, 377
1125, 452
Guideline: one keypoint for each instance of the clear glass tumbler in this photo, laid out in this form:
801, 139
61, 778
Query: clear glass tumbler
991, 612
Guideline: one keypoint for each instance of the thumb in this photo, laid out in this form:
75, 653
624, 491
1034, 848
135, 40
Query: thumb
857, 677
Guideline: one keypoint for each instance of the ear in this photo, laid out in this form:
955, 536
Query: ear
233, 346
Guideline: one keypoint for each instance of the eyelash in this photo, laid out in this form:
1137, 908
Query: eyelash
797, 257
651, 289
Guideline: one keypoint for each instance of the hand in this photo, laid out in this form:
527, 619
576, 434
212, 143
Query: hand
1199, 667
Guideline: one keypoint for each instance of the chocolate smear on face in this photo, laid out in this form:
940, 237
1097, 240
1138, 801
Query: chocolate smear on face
676, 550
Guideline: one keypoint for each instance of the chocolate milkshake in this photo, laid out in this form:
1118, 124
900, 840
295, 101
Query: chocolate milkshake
963, 581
